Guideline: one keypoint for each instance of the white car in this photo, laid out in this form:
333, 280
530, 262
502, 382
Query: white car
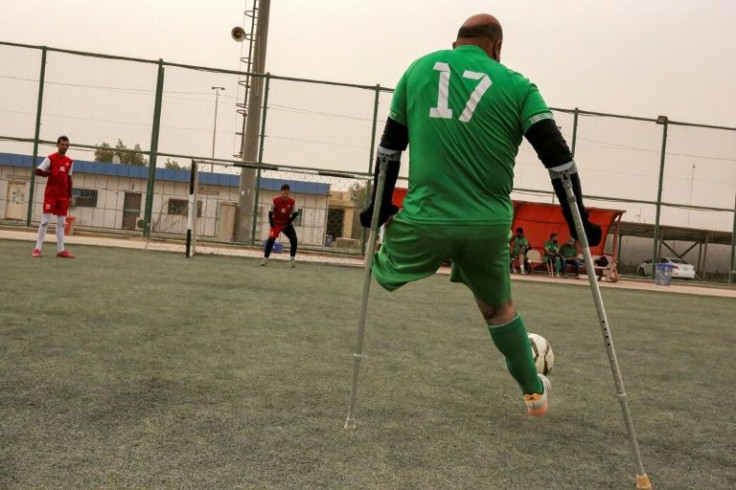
680, 268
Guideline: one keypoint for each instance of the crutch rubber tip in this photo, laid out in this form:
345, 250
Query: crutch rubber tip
642, 482
351, 425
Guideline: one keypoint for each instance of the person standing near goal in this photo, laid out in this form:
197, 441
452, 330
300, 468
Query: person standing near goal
280, 218
56, 197
463, 114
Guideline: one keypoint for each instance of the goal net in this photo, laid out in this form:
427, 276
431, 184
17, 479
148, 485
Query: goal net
329, 202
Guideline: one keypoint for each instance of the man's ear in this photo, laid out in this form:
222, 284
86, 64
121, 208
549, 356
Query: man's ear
454, 44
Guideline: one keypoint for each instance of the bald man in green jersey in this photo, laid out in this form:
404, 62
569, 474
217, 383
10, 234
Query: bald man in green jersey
463, 115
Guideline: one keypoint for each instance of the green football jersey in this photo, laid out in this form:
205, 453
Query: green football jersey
551, 248
569, 251
466, 114
518, 244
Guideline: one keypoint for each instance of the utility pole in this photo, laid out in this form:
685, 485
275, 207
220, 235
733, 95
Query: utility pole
214, 126
247, 194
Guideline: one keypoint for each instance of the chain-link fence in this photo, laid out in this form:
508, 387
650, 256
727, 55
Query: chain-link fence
154, 117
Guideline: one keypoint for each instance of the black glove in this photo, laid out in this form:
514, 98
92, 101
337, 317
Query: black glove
291, 220
271, 223
386, 212
592, 231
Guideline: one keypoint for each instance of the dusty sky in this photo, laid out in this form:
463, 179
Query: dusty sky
633, 57
628, 57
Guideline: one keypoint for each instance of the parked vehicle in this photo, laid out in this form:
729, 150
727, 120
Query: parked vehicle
680, 268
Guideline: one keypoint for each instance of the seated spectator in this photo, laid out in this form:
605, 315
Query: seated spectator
519, 245
569, 255
552, 255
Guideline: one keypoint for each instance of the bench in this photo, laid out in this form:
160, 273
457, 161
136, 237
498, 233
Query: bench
610, 272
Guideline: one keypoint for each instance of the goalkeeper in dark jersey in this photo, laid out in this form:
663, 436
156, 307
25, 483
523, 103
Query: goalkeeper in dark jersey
463, 115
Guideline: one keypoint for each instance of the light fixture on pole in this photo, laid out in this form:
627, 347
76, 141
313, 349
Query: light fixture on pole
214, 127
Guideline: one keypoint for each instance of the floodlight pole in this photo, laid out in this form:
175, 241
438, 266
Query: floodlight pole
214, 126
247, 205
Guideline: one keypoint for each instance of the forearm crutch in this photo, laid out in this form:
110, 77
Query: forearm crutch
382, 167
642, 480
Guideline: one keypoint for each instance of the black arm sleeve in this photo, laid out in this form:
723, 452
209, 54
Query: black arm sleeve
395, 136
270, 218
387, 207
553, 151
549, 143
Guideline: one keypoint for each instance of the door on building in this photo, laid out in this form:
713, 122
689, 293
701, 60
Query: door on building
131, 210
17, 203
335, 219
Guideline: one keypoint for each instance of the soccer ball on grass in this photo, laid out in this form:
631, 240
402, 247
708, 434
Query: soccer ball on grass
542, 353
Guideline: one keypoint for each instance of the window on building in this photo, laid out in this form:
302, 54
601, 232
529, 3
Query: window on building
181, 207
84, 198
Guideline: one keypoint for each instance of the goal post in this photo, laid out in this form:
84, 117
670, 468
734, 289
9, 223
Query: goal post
329, 202
191, 247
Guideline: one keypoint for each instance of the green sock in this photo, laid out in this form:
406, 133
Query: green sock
513, 342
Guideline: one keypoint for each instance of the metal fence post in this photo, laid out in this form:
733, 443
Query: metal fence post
664, 121
41, 81
260, 159
732, 270
574, 130
148, 213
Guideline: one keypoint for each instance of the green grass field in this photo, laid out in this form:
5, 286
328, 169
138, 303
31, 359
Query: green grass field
133, 369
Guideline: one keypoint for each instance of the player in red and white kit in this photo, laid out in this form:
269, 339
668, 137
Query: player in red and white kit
56, 198
280, 218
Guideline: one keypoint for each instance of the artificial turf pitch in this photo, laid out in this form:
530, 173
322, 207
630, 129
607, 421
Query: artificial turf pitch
139, 369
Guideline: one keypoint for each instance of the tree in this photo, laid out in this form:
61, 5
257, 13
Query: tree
128, 157
359, 193
105, 153
173, 164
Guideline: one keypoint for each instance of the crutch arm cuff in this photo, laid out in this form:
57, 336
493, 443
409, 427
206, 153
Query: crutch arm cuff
392, 160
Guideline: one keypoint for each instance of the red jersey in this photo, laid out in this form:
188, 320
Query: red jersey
59, 168
282, 209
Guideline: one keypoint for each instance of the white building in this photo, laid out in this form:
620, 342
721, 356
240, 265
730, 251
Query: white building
113, 196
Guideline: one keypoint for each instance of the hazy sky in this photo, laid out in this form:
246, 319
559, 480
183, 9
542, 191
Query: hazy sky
639, 58
633, 57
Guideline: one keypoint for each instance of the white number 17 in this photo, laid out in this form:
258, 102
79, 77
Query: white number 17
443, 109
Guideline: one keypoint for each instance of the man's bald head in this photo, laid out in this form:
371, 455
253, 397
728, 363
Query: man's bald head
484, 31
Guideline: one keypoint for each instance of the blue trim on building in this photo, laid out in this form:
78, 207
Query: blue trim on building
167, 174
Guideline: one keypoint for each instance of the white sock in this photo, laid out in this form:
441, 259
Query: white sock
42, 230
60, 222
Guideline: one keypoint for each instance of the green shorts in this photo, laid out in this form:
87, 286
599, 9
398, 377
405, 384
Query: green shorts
479, 255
